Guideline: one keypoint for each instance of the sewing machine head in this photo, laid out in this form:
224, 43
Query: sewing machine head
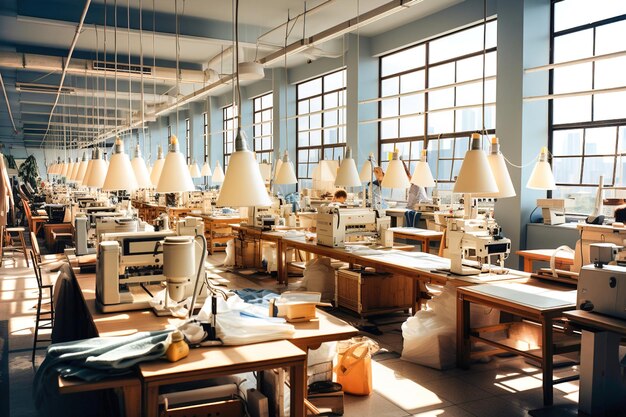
337, 226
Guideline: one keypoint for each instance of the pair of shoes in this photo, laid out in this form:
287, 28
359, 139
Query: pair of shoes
322, 387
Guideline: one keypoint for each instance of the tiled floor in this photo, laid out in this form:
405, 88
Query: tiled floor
501, 387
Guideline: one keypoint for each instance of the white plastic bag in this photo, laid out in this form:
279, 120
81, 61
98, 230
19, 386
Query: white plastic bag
430, 335
230, 253
319, 276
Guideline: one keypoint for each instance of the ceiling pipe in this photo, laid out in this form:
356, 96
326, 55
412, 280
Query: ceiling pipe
82, 67
79, 28
350, 25
308, 12
6, 98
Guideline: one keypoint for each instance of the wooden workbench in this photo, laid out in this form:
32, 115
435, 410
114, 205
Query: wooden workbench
562, 259
424, 236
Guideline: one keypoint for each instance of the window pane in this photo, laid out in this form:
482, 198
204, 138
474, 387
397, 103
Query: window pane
403, 60
573, 78
567, 142
596, 166
441, 122
441, 75
412, 126
610, 38
566, 170
572, 13
335, 81
571, 109
573, 46
600, 141
462, 43
310, 88
609, 106
412, 82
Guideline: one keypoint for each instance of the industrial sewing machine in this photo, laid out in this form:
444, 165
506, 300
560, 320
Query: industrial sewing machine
128, 261
594, 233
474, 240
338, 226
602, 289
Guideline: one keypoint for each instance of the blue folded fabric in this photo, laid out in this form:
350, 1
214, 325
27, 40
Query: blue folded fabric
253, 296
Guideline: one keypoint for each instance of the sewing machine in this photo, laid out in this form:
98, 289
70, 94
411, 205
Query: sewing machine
336, 226
266, 217
475, 240
592, 233
602, 289
118, 224
552, 210
129, 260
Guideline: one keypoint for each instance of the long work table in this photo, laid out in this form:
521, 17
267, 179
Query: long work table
203, 363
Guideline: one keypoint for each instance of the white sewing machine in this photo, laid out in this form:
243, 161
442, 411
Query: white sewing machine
119, 224
264, 217
602, 289
552, 210
129, 260
337, 226
595, 233
474, 240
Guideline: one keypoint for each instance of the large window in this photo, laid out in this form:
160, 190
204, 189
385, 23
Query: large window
262, 127
230, 123
434, 92
188, 141
588, 131
321, 122
205, 135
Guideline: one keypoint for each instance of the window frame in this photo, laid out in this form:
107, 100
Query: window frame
431, 139
205, 135
225, 131
188, 140
341, 107
262, 153
618, 124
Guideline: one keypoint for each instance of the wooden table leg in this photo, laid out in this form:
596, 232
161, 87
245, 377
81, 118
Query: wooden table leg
528, 264
547, 361
150, 400
463, 344
132, 400
280, 260
298, 390
283, 274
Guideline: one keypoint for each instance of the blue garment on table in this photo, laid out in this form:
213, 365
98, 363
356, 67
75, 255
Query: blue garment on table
253, 296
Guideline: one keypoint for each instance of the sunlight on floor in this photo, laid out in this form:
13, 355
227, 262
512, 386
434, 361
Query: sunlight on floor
401, 391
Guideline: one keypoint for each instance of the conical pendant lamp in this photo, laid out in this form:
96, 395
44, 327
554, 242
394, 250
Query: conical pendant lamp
265, 168
175, 176
74, 173
396, 177
194, 171
243, 185
286, 173
206, 169
422, 175
500, 172
82, 169
155, 175
542, 178
347, 175
89, 167
140, 170
218, 174
475, 176
98, 171
120, 175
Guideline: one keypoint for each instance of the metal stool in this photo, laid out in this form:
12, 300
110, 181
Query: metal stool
44, 319
14, 238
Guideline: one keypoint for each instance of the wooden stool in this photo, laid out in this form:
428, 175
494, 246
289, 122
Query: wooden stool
45, 318
14, 238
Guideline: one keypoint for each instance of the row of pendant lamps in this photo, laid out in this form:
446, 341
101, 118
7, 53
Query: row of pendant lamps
169, 174
480, 174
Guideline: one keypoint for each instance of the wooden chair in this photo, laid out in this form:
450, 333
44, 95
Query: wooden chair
35, 223
46, 260
45, 318
13, 237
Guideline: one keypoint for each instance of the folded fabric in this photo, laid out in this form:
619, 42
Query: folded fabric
253, 296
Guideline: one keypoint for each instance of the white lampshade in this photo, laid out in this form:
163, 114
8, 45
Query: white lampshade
500, 172
206, 169
422, 175
347, 175
175, 174
98, 172
149, 169
475, 176
251, 71
365, 175
277, 165
395, 177
140, 170
286, 173
155, 175
218, 174
265, 168
67, 168
194, 171
243, 185
542, 178
72, 175
88, 170
82, 169
120, 175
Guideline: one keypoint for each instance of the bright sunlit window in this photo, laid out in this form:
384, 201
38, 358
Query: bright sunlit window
435, 93
588, 132
321, 122
262, 127
229, 130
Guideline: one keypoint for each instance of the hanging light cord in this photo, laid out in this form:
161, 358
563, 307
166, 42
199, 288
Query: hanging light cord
240, 142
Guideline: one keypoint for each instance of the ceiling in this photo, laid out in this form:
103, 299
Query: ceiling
44, 29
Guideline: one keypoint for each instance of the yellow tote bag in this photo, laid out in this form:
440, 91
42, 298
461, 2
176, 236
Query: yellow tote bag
354, 369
